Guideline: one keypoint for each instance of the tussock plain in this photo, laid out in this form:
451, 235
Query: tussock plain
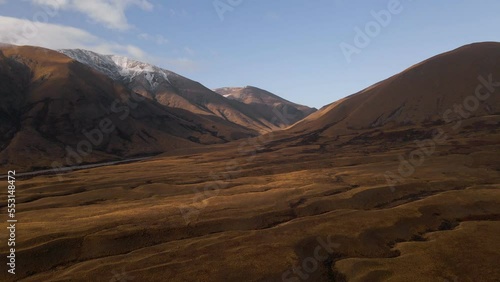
266, 216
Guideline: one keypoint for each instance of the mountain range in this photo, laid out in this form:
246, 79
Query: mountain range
175, 91
55, 103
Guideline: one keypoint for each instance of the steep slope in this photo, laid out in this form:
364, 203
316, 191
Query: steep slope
438, 90
49, 101
267, 104
171, 89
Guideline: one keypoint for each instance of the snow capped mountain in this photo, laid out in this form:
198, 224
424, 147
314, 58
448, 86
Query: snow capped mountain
121, 68
169, 89
250, 107
75, 99
130, 69
99, 62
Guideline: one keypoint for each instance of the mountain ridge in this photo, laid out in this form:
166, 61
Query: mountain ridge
50, 100
422, 93
171, 89
265, 101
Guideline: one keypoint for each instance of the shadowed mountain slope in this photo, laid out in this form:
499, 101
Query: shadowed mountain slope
49, 100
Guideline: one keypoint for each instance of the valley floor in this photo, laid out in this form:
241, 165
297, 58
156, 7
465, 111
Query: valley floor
278, 213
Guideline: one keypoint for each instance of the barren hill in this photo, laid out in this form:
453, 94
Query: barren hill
267, 105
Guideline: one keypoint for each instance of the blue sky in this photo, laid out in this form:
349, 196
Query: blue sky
289, 47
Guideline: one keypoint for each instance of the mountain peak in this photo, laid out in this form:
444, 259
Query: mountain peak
261, 99
119, 67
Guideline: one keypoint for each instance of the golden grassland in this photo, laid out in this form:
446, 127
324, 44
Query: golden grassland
256, 214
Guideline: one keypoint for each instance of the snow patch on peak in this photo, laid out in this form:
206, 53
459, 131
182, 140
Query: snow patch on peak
131, 69
120, 67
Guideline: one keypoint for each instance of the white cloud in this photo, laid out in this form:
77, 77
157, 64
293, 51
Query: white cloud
110, 13
158, 39
52, 36
24, 32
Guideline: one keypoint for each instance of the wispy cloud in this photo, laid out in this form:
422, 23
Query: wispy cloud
189, 51
53, 36
158, 38
109, 13
24, 32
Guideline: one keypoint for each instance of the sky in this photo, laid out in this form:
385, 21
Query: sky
309, 52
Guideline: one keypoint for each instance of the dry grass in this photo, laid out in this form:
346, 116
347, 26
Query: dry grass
266, 214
